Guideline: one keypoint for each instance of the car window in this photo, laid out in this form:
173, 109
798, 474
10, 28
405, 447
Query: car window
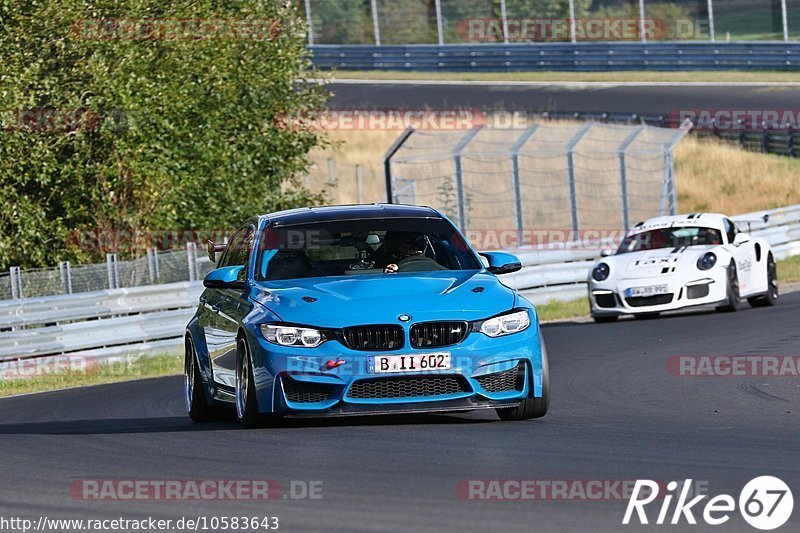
362, 247
673, 237
238, 251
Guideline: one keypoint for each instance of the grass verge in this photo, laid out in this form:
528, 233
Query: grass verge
47, 376
627, 76
788, 272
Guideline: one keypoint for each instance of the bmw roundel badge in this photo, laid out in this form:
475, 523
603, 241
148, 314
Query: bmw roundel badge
404, 317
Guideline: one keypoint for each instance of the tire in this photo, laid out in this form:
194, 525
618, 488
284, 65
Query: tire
733, 291
246, 402
603, 319
646, 316
771, 296
531, 407
194, 395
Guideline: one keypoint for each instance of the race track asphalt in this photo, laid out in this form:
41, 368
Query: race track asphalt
534, 98
616, 414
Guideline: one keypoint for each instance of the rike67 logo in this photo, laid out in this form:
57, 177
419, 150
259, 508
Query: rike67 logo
765, 503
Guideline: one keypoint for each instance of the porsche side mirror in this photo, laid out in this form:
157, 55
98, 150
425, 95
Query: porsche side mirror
501, 263
214, 248
225, 278
740, 238
606, 253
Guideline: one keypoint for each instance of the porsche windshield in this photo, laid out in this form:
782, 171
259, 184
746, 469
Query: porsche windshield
674, 237
360, 247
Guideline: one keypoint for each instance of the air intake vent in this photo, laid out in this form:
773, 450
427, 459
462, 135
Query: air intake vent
436, 334
507, 380
407, 387
374, 338
300, 392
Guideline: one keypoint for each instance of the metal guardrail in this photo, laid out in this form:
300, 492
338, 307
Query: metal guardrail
121, 322
562, 56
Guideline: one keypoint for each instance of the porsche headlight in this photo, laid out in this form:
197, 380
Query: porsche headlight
601, 272
506, 324
707, 261
292, 336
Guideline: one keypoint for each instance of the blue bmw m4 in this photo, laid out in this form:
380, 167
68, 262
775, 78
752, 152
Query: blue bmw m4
366, 309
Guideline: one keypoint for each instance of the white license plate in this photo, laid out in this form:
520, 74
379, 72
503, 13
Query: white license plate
652, 290
383, 364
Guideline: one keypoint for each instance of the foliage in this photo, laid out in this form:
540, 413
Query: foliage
138, 132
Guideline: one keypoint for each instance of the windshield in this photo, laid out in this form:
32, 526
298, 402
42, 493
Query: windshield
361, 247
674, 237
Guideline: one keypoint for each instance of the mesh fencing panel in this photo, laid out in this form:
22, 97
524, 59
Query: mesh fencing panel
574, 178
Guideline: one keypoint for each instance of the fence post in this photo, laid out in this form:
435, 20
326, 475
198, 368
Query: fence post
66, 276
460, 200
387, 161
16, 283
331, 180
310, 23
518, 144
439, 26
504, 15
359, 184
376, 27
572, 35
573, 190
191, 257
642, 21
623, 178
711, 21
152, 264
111, 268
784, 19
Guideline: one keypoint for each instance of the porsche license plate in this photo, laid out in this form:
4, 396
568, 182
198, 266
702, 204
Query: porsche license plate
652, 290
382, 364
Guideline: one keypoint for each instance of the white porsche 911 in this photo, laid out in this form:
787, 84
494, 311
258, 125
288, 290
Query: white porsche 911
674, 262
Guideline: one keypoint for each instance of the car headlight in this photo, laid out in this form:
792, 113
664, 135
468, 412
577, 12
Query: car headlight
292, 336
506, 324
601, 272
707, 261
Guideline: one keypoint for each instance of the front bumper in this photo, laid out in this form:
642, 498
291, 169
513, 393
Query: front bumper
612, 297
484, 373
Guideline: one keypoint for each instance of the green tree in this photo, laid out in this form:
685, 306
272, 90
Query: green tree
148, 131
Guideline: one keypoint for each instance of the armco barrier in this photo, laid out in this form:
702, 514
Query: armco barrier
665, 56
120, 322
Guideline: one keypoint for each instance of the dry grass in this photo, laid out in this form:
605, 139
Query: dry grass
718, 176
712, 175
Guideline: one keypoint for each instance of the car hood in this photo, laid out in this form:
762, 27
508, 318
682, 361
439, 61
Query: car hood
379, 298
654, 263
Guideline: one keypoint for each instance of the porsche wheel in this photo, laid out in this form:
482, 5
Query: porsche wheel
193, 393
531, 407
246, 401
771, 296
732, 304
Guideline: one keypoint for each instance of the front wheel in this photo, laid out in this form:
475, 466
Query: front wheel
246, 401
771, 296
531, 407
732, 304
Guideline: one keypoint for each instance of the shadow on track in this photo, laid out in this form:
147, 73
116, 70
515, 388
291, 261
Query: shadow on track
175, 424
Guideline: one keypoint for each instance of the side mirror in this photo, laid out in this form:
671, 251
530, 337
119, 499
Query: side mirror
225, 278
501, 263
606, 253
214, 248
